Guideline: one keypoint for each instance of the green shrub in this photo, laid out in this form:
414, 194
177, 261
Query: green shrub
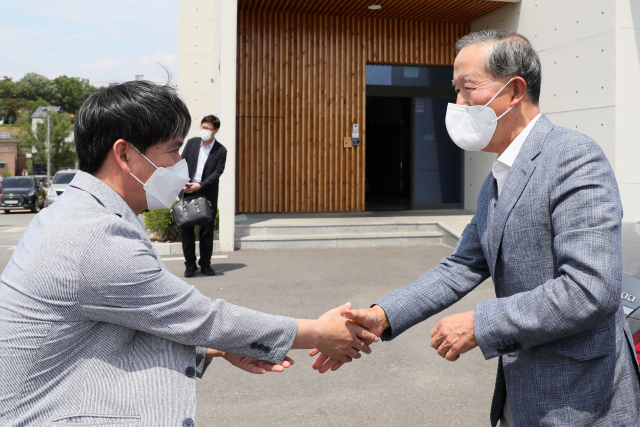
158, 222
7, 174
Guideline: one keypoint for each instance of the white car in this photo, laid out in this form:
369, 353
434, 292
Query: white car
59, 183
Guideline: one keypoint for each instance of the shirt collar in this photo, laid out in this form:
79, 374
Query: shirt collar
508, 157
105, 195
210, 145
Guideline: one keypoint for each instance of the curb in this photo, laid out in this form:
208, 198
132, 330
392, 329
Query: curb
175, 248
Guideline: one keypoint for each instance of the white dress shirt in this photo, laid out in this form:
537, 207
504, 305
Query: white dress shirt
502, 165
202, 159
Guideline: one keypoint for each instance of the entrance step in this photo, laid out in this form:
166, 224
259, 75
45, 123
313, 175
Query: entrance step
338, 240
261, 229
352, 229
328, 232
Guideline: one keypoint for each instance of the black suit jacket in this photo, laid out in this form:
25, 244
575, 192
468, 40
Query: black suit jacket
213, 168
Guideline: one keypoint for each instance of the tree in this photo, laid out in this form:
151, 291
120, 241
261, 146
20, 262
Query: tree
66, 92
13, 105
63, 153
7, 88
73, 91
34, 86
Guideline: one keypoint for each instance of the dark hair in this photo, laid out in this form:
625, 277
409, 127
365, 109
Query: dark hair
213, 120
140, 112
511, 55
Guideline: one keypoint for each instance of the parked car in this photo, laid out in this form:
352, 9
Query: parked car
631, 279
59, 183
22, 192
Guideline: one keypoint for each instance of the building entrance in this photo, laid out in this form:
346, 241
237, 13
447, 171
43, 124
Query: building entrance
411, 163
388, 155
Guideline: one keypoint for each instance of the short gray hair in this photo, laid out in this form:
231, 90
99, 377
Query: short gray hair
511, 55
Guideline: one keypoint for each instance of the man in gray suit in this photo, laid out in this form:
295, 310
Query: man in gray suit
94, 330
547, 231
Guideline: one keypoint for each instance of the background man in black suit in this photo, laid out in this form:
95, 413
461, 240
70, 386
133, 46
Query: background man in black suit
206, 158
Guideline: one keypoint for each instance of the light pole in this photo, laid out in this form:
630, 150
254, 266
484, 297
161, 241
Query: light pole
40, 112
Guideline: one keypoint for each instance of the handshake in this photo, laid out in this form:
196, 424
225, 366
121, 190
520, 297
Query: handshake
339, 335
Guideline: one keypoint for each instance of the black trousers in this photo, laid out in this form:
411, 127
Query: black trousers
206, 243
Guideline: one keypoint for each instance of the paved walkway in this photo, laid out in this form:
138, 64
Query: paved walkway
403, 383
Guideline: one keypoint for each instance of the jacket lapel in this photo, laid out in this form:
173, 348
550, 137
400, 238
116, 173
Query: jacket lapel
212, 154
515, 184
192, 156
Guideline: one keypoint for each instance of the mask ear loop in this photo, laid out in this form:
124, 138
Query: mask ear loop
143, 184
150, 160
494, 96
493, 121
136, 178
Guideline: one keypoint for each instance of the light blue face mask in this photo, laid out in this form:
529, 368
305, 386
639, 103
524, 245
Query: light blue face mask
472, 127
164, 186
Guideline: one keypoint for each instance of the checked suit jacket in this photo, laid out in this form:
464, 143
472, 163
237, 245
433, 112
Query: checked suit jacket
551, 244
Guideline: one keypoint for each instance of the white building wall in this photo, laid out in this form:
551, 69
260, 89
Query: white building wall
591, 79
207, 83
628, 105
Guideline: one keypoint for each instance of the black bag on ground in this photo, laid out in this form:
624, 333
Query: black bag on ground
190, 212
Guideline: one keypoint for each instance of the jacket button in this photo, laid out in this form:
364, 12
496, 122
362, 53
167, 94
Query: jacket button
260, 347
188, 422
190, 372
266, 349
500, 350
254, 345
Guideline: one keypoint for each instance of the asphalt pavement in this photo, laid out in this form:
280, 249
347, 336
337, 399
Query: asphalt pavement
402, 383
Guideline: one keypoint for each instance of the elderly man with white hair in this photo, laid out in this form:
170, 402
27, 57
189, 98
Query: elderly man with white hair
547, 231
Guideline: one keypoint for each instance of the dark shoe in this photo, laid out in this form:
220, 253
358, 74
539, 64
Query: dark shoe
207, 270
190, 271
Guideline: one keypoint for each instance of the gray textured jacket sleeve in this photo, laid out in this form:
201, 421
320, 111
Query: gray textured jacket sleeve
202, 361
447, 283
123, 281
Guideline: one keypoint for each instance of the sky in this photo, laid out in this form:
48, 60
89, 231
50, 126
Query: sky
103, 41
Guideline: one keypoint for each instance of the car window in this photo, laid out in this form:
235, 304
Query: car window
17, 182
63, 178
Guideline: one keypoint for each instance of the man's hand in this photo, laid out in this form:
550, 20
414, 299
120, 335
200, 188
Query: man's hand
191, 187
250, 365
454, 335
373, 319
334, 335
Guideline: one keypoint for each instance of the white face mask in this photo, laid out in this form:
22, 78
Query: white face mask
205, 134
163, 187
472, 127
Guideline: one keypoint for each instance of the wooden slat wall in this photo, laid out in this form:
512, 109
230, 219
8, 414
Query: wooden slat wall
301, 86
416, 10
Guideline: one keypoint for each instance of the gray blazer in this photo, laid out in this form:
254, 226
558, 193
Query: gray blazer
95, 331
551, 244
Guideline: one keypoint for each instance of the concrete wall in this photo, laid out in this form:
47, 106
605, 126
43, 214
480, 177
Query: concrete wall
628, 105
591, 72
207, 83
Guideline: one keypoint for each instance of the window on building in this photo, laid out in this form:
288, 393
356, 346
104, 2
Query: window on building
400, 75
